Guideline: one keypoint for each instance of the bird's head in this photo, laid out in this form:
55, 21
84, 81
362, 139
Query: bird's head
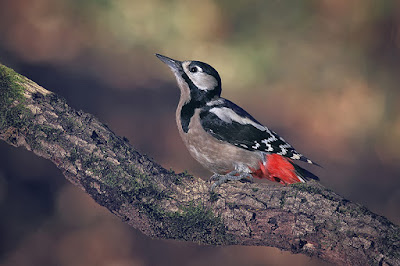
196, 79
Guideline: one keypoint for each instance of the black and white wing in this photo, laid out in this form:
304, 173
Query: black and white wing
228, 122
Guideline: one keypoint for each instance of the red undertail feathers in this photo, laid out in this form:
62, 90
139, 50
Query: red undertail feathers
280, 169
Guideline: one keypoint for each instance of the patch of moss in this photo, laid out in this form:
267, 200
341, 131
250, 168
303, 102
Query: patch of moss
90, 161
178, 179
117, 143
282, 198
131, 184
112, 176
313, 190
126, 182
10, 79
50, 133
353, 210
74, 155
121, 189
70, 124
152, 211
392, 240
186, 174
12, 111
42, 132
232, 205
141, 190
213, 196
197, 224
307, 188
192, 223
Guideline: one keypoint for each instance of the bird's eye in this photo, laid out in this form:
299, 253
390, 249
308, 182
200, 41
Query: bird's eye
193, 69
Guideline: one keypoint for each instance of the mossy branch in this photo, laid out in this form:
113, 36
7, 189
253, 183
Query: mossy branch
302, 218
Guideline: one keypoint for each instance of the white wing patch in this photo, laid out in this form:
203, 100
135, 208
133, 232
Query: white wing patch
228, 115
269, 146
282, 152
256, 145
284, 148
215, 102
270, 139
295, 156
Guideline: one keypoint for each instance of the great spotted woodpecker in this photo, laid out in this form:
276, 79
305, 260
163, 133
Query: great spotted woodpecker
223, 137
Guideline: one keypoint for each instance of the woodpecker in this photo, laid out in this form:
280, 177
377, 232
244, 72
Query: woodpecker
223, 137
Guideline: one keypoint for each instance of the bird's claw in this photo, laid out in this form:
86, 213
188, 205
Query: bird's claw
231, 176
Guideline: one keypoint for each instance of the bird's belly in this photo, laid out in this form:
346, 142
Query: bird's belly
220, 157
217, 156
223, 160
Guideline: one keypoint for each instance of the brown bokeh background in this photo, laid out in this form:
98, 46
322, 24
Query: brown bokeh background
324, 74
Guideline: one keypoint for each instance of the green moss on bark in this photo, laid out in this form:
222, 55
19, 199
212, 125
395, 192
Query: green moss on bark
12, 112
311, 188
198, 224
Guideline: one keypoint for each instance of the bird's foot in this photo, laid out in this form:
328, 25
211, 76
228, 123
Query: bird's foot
231, 176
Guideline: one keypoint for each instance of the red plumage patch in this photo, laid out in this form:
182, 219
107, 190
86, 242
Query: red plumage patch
277, 169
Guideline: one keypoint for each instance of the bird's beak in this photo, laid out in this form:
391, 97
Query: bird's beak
175, 65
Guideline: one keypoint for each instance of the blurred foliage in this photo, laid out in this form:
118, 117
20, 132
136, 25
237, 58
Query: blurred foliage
323, 73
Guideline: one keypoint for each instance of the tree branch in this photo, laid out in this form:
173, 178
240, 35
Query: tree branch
302, 218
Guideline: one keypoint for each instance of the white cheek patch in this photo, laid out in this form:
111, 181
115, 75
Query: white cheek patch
201, 80
228, 115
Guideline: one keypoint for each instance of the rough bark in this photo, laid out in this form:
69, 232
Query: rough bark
302, 218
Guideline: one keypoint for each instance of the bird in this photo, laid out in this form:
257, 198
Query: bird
226, 139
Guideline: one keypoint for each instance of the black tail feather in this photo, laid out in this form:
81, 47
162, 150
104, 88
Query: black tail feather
307, 175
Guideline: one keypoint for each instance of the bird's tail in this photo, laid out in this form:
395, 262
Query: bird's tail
280, 169
304, 173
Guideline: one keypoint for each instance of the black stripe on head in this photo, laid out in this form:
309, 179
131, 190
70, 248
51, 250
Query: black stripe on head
198, 97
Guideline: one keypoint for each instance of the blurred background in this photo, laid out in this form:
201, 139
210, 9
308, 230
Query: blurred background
324, 74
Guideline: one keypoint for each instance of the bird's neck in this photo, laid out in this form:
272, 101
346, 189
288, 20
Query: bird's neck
191, 99
187, 109
186, 112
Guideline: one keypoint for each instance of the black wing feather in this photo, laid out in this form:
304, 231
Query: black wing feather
246, 136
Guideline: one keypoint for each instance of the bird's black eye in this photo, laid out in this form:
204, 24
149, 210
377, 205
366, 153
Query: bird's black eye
193, 69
